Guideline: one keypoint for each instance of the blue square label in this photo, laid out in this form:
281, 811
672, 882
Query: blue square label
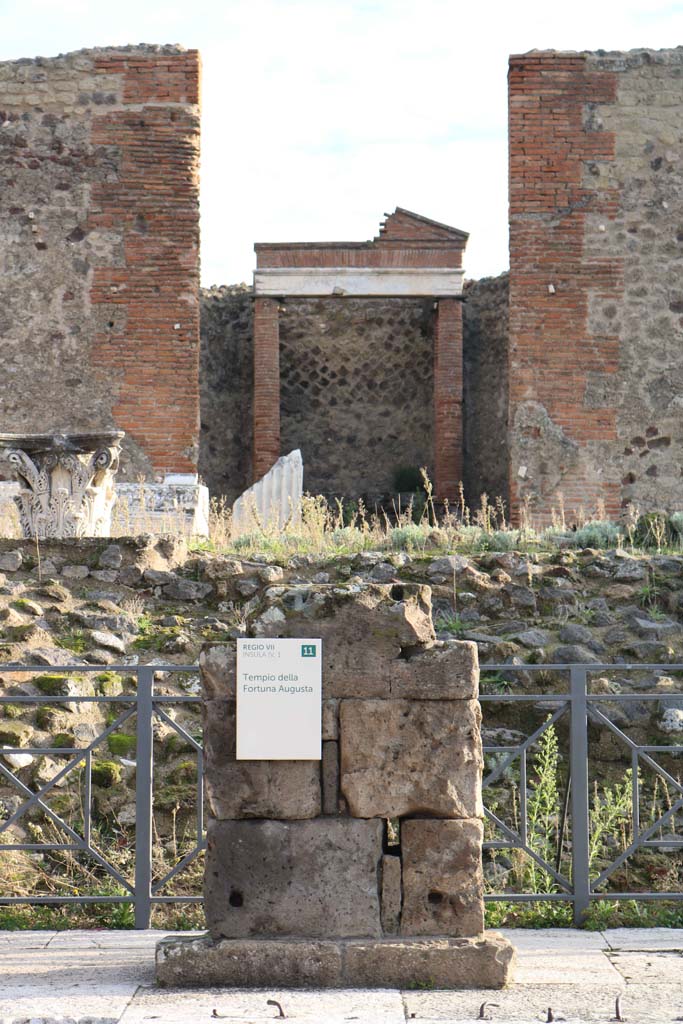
308, 650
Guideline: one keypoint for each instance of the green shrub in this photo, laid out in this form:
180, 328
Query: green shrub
403, 538
676, 526
74, 640
653, 530
598, 533
407, 479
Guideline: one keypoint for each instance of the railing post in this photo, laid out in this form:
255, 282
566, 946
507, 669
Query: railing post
143, 798
579, 793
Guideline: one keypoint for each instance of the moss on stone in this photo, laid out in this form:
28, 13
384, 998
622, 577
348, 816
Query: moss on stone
63, 739
14, 734
186, 771
121, 744
51, 685
46, 717
106, 774
109, 684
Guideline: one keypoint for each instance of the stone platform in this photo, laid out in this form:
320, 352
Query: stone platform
485, 961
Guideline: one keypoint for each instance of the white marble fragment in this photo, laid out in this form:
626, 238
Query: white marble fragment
274, 501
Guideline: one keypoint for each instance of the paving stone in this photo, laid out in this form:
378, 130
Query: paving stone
301, 878
644, 938
253, 789
443, 882
656, 968
388, 763
246, 1006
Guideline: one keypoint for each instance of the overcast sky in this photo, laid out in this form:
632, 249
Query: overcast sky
321, 115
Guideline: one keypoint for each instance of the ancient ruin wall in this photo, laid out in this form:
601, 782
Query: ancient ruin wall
226, 384
99, 314
485, 399
596, 240
357, 390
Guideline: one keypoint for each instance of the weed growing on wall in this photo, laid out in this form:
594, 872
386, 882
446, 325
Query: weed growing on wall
611, 831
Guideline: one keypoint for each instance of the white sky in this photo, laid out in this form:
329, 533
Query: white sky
321, 115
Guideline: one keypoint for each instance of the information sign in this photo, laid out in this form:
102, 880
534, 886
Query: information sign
279, 699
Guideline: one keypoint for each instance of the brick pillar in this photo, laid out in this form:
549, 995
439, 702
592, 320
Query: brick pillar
448, 398
266, 386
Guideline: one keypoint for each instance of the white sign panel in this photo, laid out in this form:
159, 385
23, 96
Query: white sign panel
279, 700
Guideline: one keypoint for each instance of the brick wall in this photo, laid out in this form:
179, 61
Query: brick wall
596, 340
448, 398
99, 253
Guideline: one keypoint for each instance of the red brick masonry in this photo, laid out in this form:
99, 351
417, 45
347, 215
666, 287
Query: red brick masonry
149, 329
552, 350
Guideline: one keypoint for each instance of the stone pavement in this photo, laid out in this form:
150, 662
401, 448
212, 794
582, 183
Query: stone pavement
108, 978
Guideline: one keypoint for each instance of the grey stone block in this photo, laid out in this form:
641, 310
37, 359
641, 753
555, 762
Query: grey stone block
445, 670
330, 777
253, 789
330, 720
443, 884
363, 630
486, 962
391, 895
401, 758
305, 878
218, 671
482, 962
248, 963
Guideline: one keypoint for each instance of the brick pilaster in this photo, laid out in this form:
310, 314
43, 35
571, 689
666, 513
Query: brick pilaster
266, 385
448, 398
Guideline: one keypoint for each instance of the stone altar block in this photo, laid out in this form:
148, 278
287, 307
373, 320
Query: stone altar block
66, 482
364, 869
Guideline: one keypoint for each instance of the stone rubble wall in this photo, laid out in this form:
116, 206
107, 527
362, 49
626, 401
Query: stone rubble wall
99, 258
356, 390
485, 379
226, 388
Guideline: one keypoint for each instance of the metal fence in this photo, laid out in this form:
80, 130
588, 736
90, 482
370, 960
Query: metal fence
143, 891
580, 708
577, 706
